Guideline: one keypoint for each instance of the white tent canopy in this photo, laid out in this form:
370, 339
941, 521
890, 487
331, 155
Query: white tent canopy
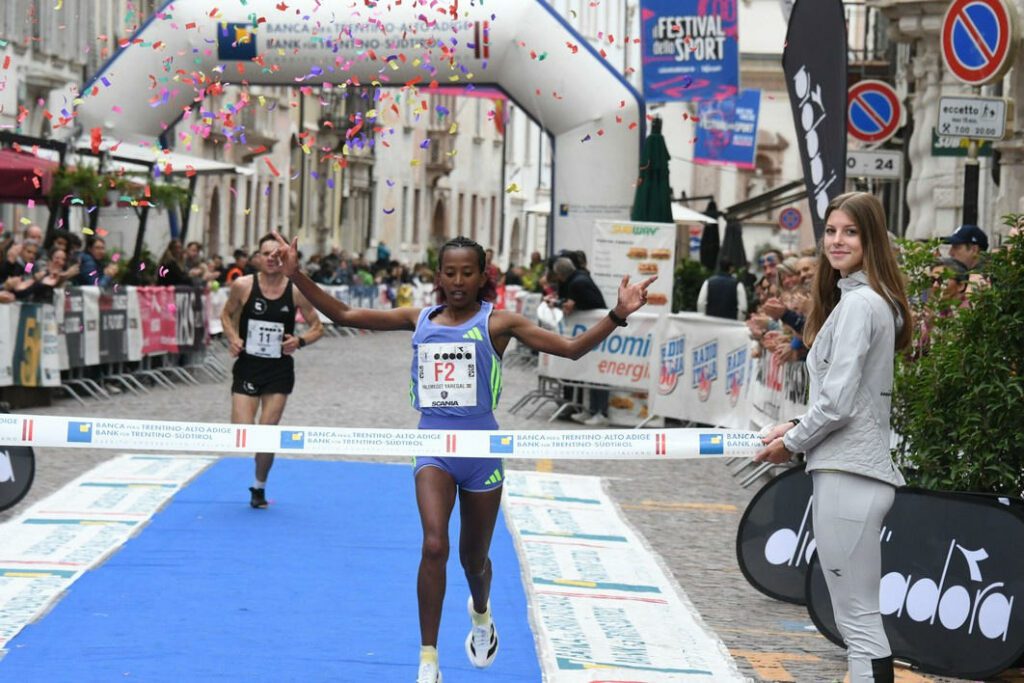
681, 214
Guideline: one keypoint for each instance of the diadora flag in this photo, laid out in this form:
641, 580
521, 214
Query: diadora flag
80, 432
501, 444
236, 41
291, 439
712, 444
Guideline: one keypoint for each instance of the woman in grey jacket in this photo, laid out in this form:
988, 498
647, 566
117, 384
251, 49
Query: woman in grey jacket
859, 319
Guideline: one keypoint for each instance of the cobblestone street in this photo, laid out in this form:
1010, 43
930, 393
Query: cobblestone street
688, 511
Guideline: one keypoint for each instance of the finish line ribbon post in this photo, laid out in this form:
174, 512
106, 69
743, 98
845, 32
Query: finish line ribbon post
102, 433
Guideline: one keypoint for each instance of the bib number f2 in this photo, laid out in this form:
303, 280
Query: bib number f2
447, 375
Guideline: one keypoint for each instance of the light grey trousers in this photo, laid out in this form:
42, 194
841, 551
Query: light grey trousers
848, 511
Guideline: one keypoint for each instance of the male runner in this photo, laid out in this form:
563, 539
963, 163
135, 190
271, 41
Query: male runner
259, 323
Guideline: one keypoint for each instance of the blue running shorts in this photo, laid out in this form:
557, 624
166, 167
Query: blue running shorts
475, 475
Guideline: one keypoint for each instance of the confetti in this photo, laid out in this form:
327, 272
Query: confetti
389, 211
512, 187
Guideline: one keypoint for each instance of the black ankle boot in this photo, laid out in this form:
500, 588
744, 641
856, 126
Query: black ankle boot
881, 670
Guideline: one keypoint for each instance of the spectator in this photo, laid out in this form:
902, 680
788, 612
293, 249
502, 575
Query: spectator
722, 295
514, 275
534, 273
38, 287
580, 293
808, 266
93, 268
237, 270
492, 271
194, 266
171, 269
966, 244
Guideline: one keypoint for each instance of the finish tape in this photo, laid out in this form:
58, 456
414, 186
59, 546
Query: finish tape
199, 437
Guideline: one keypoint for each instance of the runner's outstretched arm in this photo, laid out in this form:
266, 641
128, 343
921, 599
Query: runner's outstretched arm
338, 311
631, 298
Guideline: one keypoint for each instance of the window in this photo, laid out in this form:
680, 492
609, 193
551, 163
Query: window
416, 215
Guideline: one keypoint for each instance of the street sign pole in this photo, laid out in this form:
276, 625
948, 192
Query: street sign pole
971, 172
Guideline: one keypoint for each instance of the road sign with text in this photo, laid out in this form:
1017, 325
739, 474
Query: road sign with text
874, 164
978, 118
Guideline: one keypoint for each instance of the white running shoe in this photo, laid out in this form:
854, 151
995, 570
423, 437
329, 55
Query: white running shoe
429, 673
482, 641
597, 420
581, 417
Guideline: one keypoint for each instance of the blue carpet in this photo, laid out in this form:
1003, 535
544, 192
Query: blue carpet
320, 587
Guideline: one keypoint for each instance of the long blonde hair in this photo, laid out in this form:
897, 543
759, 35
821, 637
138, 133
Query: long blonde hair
879, 264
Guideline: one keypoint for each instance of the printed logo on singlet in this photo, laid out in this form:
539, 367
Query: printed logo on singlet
259, 306
474, 333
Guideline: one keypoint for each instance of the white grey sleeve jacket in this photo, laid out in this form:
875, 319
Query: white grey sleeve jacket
850, 367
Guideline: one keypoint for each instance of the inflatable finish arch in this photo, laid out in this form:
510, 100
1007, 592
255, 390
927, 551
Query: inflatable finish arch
524, 47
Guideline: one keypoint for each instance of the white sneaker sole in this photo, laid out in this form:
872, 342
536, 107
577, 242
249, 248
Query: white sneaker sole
469, 639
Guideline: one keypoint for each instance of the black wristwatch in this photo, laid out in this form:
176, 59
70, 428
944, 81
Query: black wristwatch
795, 421
302, 342
621, 322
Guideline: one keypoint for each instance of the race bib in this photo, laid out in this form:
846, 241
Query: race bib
264, 339
447, 375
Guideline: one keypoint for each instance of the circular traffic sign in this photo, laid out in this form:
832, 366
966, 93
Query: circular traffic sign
873, 111
979, 39
790, 219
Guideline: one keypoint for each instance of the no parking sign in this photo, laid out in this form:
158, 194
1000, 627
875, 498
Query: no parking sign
790, 218
979, 39
873, 111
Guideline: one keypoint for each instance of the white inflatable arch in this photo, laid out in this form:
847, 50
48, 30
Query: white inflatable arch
524, 47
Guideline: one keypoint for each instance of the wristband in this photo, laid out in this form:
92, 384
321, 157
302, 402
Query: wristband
302, 342
795, 421
621, 322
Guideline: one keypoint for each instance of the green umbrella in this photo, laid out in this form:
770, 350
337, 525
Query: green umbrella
653, 199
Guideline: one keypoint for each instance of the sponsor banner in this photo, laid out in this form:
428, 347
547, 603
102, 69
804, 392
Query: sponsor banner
91, 324
814, 62
690, 50
113, 326
101, 433
638, 250
49, 546
952, 586
8, 328
700, 370
35, 361
190, 320
622, 360
778, 392
774, 540
600, 599
727, 130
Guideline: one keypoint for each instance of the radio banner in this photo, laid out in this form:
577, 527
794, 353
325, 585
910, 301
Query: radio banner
701, 367
8, 328
628, 444
814, 62
35, 361
690, 49
113, 326
621, 360
952, 589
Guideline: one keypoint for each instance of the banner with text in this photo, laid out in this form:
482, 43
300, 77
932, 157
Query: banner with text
621, 360
703, 367
639, 250
690, 50
727, 130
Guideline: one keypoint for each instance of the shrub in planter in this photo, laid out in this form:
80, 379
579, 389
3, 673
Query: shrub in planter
958, 401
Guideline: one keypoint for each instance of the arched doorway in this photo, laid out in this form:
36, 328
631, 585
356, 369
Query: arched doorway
438, 225
212, 242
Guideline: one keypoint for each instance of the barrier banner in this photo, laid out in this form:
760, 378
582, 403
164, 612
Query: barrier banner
690, 49
133, 335
952, 588
113, 326
628, 444
774, 540
639, 250
8, 328
218, 299
91, 324
621, 360
701, 369
35, 361
159, 325
190, 319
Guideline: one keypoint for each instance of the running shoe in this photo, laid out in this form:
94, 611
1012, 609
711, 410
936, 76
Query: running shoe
429, 673
258, 497
482, 641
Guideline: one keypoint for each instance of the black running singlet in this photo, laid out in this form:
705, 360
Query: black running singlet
265, 322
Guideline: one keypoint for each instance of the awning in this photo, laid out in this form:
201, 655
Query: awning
133, 157
539, 207
24, 176
681, 214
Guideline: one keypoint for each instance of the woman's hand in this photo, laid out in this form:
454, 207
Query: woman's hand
775, 452
632, 297
288, 254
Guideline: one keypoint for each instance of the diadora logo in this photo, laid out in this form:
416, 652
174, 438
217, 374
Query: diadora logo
975, 607
705, 368
791, 547
673, 360
735, 374
6, 469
